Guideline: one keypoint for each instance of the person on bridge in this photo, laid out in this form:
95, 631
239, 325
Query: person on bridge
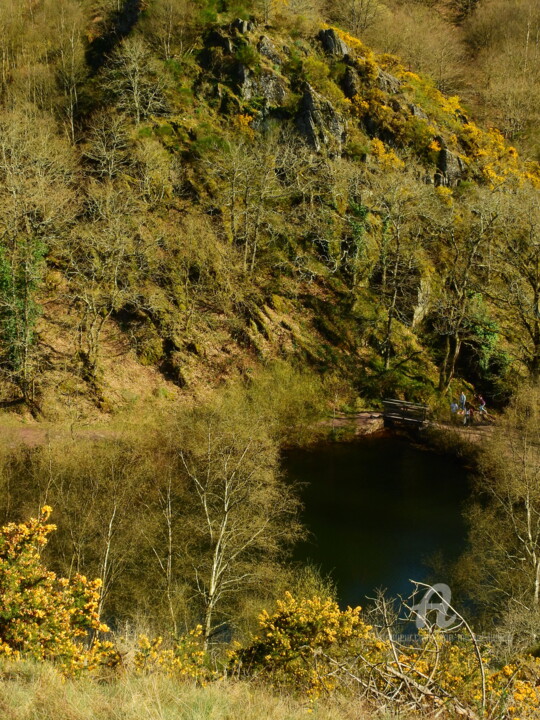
462, 401
454, 407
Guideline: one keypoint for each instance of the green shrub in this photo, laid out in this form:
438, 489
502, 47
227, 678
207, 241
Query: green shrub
247, 55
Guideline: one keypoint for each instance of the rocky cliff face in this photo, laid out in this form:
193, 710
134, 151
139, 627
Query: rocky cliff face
332, 43
320, 124
450, 169
310, 84
255, 204
266, 85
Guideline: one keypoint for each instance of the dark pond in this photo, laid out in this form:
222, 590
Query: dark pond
377, 510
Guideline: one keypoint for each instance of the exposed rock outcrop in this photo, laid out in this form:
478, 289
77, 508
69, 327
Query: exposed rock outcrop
376, 129
268, 50
230, 104
319, 122
268, 115
351, 83
217, 38
265, 84
450, 169
387, 82
417, 112
332, 43
242, 26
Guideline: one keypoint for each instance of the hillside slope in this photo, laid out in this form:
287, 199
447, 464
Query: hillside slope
181, 206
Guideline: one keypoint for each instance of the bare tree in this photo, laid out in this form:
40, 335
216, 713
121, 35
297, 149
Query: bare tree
136, 81
71, 72
241, 515
465, 246
247, 177
99, 262
397, 203
107, 145
516, 286
501, 570
37, 204
504, 36
170, 27
356, 15
95, 488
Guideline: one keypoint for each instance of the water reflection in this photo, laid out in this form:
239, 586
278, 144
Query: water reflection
377, 509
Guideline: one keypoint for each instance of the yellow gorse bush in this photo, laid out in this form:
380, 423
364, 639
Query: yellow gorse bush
384, 157
311, 646
298, 644
186, 659
308, 645
489, 157
42, 616
243, 122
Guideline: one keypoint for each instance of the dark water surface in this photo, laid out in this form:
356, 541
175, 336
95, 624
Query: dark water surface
377, 509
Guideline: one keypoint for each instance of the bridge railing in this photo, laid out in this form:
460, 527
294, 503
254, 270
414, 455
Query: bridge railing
403, 412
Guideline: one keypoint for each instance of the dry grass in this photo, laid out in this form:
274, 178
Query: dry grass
38, 692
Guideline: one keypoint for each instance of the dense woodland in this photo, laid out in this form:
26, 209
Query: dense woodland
218, 221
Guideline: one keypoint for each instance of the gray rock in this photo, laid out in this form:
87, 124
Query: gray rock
268, 50
332, 43
319, 123
242, 26
450, 169
266, 85
217, 39
417, 111
268, 117
374, 128
387, 82
351, 83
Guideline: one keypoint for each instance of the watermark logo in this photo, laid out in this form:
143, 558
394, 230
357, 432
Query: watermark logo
442, 596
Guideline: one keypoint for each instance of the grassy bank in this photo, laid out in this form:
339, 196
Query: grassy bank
33, 692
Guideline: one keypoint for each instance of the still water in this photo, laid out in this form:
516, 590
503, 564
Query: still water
377, 510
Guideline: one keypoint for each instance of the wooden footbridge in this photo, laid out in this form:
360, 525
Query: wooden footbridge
400, 412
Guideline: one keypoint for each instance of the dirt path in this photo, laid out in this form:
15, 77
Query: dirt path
349, 426
35, 434
474, 433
